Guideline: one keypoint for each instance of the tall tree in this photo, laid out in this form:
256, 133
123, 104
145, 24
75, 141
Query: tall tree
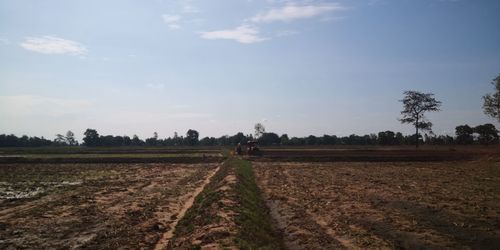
70, 138
491, 105
415, 104
464, 134
192, 137
488, 134
91, 138
60, 140
284, 139
386, 138
259, 130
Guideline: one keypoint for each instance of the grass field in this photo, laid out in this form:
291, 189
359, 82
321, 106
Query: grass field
288, 198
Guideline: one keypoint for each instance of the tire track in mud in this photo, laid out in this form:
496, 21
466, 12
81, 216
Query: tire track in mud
167, 236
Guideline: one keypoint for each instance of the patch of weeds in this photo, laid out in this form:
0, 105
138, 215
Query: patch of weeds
254, 219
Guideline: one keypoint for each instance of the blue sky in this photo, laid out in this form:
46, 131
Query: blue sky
220, 66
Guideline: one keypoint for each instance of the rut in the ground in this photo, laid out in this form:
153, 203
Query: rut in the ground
164, 240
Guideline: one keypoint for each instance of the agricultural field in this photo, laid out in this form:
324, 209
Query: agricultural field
284, 198
384, 205
94, 205
109, 155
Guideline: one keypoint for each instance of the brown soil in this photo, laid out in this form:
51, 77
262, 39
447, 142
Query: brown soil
100, 160
112, 205
378, 154
358, 205
210, 223
167, 236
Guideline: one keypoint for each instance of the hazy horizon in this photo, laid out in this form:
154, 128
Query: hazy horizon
298, 67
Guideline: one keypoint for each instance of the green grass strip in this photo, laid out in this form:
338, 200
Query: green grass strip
254, 219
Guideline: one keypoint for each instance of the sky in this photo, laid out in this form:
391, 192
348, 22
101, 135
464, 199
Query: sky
128, 67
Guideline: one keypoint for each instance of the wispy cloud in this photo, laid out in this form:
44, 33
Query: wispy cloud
172, 21
158, 86
53, 45
292, 12
243, 34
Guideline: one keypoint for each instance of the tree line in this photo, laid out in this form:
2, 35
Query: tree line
485, 134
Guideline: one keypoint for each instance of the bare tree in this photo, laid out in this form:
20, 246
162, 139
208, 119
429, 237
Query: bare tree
70, 138
415, 104
491, 105
259, 130
60, 140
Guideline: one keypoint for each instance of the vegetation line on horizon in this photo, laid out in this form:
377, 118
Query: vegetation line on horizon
415, 105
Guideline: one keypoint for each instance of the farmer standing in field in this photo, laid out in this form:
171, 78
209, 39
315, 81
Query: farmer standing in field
238, 149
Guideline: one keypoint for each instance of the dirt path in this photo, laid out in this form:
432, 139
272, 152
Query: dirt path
163, 242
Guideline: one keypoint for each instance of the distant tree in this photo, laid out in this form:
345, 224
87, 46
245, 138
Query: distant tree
464, 134
192, 137
269, 139
415, 104
386, 138
127, 141
24, 141
259, 130
70, 138
153, 141
284, 140
224, 140
330, 139
491, 104
177, 140
136, 141
399, 138
238, 138
312, 140
296, 141
443, 140
118, 141
107, 140
488, 134
91, 138
60, 140
208, 141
